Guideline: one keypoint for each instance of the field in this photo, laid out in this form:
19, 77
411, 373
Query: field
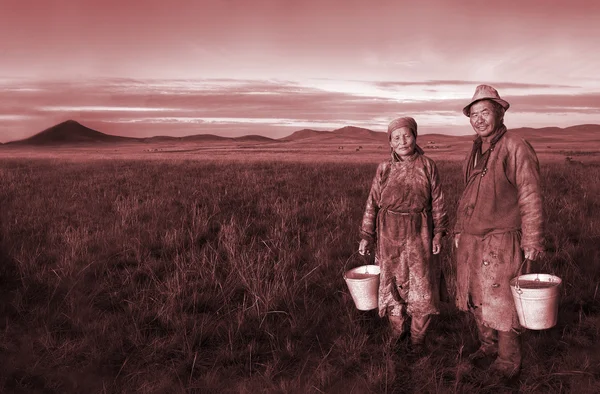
176, 275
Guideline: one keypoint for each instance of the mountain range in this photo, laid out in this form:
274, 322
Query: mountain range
72, 132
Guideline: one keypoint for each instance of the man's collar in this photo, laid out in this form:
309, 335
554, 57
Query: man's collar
500, 131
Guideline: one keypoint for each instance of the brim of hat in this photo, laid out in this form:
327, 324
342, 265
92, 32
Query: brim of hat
503, 103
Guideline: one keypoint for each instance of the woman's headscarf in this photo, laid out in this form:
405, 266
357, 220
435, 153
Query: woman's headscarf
407, 122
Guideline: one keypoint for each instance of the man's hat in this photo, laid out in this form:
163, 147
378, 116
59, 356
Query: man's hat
485, 92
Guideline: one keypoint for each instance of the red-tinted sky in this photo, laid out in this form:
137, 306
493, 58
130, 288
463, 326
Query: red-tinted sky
271, 67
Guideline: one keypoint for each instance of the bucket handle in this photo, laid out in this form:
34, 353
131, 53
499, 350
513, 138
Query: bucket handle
347, 260
520, 271
364, 257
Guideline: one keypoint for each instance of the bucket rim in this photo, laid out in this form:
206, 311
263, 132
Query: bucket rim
548, 278
366, 267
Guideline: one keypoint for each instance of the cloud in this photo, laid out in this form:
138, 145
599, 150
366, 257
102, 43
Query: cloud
497, 85
542, 103
134, 107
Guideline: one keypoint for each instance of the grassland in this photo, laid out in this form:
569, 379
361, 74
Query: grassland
152, 276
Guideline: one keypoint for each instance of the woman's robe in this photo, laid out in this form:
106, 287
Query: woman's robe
404, 210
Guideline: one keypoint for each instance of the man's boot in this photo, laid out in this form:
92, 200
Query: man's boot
488, 339
508, 363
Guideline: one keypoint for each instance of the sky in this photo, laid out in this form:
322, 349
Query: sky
271, 67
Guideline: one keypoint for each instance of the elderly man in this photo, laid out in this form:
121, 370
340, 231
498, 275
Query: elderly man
499, 224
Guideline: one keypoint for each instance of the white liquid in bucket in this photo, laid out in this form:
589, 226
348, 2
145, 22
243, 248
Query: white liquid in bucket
536, 284
536, 300
358, 275
363, 283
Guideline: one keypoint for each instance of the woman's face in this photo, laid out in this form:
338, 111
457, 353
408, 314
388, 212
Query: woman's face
403, 141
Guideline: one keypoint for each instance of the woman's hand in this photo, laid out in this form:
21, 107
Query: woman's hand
364, 247
437, 243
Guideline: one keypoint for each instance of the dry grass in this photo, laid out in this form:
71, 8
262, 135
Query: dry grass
186, 276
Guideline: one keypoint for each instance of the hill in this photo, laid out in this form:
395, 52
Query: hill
338, 135
254, 138
73, 132
70, 132
188, 138
304, 133
203, 138
580, 133
209, 138
576, 133
160, 138
359, 132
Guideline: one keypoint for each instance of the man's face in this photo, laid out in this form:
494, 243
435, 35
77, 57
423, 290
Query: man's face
483, 118
403, 141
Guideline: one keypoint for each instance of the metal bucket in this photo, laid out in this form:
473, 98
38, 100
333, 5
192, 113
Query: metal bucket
363, 283
536, 300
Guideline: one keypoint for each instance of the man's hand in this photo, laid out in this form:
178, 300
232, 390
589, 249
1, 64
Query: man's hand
364, 247
437, 243
532, 254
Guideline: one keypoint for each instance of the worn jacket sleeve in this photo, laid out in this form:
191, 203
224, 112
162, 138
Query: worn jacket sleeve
524, 172
369, 221
438, 207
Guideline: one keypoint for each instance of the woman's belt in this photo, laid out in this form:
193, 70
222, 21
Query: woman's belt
405, 211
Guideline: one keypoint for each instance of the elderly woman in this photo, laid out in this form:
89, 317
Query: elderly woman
405, 218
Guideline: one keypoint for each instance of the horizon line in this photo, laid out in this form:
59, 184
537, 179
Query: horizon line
280, 138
